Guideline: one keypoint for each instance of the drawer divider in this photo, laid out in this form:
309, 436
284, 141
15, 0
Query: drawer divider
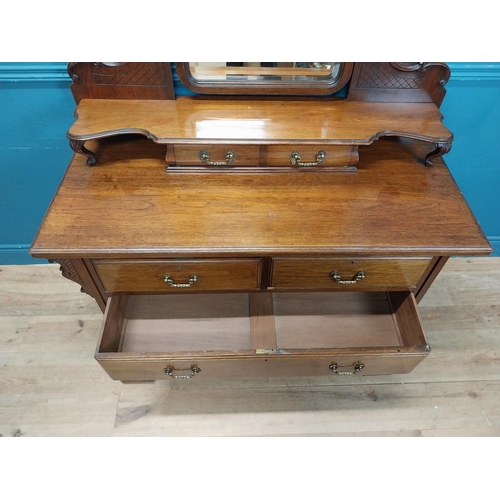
404, 307
111, 338
262, 324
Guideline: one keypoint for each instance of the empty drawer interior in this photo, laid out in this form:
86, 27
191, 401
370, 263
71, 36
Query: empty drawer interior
281, 322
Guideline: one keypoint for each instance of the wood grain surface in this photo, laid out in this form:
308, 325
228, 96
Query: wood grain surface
149, 276
380, 273
129, 207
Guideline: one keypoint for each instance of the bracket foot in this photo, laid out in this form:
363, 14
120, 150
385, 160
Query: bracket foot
79, 147
441, 149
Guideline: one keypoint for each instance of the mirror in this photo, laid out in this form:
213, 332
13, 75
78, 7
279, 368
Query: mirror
264, 78
264, 71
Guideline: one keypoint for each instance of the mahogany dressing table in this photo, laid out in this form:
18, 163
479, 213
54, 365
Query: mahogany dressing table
264, 227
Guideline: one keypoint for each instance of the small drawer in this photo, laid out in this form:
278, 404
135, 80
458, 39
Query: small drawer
310, 157
348, 274
213, 156
179, 276
228, 335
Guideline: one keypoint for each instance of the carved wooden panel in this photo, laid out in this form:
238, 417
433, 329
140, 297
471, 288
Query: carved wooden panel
76, 270
69, 271
399, 82
131, 80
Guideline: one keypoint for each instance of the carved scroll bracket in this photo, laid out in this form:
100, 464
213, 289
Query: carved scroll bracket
69, 271
441, 149
75, 270
79, 147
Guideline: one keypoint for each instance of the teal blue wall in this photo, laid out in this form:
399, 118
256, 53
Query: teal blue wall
36, 110
471, 111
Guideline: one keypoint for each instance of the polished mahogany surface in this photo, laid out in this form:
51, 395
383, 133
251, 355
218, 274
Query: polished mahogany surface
129, 207
189, 120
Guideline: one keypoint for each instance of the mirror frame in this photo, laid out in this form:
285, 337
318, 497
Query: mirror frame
265, 87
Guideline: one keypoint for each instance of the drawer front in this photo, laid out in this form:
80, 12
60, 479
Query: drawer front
348, 274
225, 156
144, 368
312, 156
179, 276
207, 336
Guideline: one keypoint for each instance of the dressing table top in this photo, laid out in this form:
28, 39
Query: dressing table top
128, 206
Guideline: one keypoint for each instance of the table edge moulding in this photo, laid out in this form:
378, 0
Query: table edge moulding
262, 227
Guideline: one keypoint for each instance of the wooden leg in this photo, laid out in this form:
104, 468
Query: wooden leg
441, 149
78, 147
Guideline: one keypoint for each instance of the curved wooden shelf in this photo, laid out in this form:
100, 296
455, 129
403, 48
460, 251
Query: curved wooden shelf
193, 121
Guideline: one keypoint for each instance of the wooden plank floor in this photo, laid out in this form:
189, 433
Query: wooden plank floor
50, 384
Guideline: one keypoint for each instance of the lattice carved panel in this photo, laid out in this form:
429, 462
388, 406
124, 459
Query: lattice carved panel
146, 74
382, 76
129, 80
398, 82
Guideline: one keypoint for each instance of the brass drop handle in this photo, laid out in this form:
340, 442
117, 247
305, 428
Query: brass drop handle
205, 158
194, 278
358, 367
169, 370
335, 276
295, 159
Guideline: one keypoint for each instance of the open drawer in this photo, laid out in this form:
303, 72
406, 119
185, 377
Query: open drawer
151, 337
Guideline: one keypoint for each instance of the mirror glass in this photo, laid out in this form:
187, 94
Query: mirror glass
265, 72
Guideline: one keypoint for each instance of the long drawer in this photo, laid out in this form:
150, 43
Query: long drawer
147, 338
348, 273
179, 276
